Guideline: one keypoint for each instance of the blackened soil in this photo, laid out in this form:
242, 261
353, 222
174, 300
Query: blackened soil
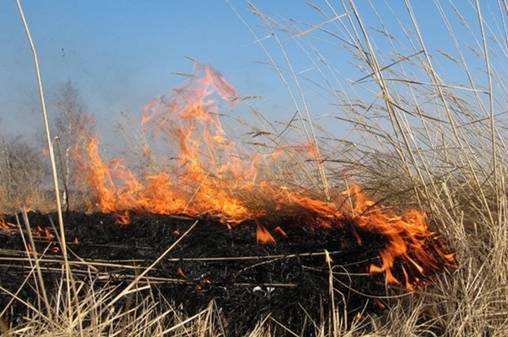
256, 280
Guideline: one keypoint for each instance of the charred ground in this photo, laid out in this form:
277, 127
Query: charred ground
247, 280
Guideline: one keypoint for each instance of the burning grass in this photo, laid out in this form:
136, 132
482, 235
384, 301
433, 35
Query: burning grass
260, 248
211, 177
299, 256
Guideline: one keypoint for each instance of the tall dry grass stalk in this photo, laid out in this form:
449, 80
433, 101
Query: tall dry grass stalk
63, 243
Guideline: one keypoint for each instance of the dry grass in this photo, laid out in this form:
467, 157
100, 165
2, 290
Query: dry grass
418, 139
22, 171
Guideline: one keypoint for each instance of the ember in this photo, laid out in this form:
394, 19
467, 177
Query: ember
4, 225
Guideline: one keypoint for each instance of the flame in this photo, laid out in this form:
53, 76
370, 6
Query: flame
208, 175
263, 235
43, 233
123, 219
4, 225
408, 237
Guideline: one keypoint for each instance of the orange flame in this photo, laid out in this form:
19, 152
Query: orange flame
407, 235
123, 219
4, 225
263, 235
43, 233
210, 176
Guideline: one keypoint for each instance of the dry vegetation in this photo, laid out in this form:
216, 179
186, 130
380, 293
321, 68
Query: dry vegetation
418, 140
22, 170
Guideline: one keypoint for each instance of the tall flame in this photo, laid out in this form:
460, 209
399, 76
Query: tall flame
210, 176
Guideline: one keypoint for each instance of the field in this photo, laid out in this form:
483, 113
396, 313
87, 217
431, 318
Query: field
211, 224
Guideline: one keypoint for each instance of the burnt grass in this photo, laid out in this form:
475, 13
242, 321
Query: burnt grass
244, 290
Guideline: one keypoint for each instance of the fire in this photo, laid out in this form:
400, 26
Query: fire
263, 235
408, 237
123, 219
210, 176
4, 225
43, 233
